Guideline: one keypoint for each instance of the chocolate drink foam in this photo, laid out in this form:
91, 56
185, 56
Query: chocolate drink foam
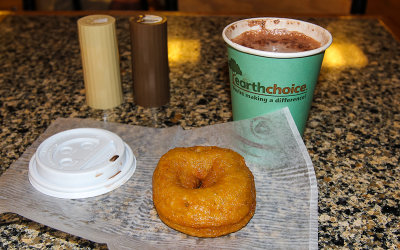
277, 40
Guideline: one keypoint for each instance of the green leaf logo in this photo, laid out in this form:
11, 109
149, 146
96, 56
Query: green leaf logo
234, 67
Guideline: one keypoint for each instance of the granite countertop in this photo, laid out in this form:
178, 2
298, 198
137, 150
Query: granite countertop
353, 132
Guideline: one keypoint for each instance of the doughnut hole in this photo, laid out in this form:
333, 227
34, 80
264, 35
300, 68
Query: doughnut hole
191, 181
204, 174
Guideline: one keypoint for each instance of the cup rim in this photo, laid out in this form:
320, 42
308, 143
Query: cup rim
277, 54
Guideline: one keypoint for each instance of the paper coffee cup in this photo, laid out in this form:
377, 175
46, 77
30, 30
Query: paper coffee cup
265, 81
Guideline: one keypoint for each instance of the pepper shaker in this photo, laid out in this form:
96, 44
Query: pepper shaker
150, 70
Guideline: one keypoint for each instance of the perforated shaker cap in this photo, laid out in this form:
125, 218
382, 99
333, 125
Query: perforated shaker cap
81, 163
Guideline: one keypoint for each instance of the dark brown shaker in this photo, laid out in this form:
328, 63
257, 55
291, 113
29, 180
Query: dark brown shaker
150, 71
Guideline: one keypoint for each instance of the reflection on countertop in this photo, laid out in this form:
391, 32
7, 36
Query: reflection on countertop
344, 55
353, 132
181, 51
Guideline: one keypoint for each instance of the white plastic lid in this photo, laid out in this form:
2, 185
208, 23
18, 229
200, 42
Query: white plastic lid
81, 163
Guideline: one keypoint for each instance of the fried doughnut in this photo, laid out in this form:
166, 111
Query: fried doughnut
204, 191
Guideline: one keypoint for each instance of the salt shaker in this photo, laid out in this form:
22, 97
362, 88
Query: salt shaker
100, 61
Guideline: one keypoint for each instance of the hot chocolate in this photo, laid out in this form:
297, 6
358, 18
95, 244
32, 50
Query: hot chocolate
278, 40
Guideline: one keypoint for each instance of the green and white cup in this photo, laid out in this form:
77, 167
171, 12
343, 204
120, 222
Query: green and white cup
263, 81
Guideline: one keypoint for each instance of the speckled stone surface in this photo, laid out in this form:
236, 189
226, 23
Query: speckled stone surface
353, 132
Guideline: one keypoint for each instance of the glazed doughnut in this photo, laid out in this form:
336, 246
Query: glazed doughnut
204, 191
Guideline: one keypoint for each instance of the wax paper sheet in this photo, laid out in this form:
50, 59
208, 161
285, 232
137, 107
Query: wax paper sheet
286, 213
